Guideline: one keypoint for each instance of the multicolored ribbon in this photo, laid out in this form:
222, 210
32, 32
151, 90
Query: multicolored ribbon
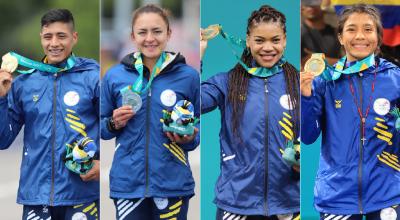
333, 73
137, 86
256, 71
35, 65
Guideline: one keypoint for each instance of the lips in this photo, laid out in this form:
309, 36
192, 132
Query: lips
267, 57
55, 52
360, 46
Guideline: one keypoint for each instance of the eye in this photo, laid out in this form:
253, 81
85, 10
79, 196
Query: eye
276, 40
350, 29
259, 40
158, 32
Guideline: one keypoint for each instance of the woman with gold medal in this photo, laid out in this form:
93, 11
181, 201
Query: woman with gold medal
355, 106
259, 110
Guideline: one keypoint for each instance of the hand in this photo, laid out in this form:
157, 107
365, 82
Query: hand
182, 139
296, 168
94, 173
5, 82
306, 79
122, 115
203, 44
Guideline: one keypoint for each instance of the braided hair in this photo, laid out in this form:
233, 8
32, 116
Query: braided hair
239, 78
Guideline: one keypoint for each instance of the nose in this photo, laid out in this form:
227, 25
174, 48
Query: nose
360, 34
54, 41
267, 46
149, 37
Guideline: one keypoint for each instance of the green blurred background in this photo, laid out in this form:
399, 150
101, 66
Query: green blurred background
19, 32
20, 26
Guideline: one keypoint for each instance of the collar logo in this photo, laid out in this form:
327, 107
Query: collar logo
338, 103
35, 98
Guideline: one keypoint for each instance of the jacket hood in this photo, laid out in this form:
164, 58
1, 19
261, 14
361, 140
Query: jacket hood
175, 58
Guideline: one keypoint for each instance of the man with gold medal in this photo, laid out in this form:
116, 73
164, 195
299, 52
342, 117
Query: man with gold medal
57, 100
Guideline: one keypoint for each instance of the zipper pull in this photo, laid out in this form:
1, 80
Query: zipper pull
149, 95
265, 85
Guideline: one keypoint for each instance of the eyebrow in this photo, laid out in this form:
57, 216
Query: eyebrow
145, 29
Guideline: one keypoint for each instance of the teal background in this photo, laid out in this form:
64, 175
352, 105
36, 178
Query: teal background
232, 15
309, 166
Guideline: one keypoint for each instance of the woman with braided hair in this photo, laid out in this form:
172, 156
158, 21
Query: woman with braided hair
259, 108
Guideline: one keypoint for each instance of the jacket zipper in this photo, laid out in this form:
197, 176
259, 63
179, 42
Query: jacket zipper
53, 138
147, 140
266, 147
361, 150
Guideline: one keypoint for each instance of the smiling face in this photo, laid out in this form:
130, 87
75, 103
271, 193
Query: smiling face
267, 42
150, 34
57, 41
359, 36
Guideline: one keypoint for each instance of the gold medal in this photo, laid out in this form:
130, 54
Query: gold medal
9, 63
316, 64
210, 32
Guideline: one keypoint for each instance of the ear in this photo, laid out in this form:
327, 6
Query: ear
340, 39
75, 37
284, 41
133, 37
169, 33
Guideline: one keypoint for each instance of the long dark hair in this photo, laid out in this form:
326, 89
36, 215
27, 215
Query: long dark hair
239, 78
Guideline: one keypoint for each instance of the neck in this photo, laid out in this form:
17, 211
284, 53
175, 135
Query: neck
150, 62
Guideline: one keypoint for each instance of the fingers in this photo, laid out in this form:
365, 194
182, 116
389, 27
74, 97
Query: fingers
174, 137
306, 79
94, 173
122, 115
5, 82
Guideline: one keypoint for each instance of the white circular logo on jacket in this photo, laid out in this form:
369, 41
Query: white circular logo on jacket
168, 97
285, 217
388, 214
381, 106
285, 102
161, 203
71, 98
79, 216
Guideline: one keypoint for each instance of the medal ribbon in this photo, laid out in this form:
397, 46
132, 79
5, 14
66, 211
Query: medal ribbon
137, 86
35, 65
256, 71
333, 73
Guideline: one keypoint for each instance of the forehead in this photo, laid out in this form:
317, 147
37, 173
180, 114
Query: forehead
267, 29
149, 20
57, 27
356, 19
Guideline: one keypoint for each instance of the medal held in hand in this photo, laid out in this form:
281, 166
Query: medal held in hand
181, 119
210, 32
131, 94
9, 63
316, 64
133, 99
292, 153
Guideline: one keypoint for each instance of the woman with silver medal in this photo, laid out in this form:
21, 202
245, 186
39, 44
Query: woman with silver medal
150, 177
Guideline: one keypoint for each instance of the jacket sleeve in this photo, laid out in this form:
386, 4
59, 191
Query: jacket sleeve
195, 99
312, 109
11, 119
107, 106
212, 93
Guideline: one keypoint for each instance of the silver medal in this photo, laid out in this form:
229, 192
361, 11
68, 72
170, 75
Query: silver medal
132, 99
